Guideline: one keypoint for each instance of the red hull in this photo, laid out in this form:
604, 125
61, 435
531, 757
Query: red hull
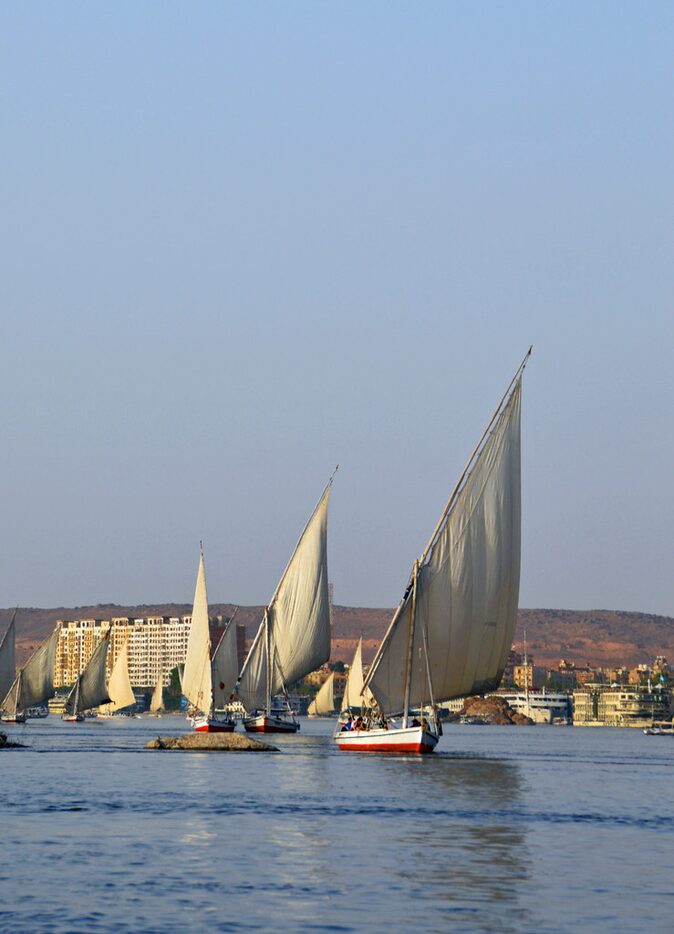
269, 725
412, 748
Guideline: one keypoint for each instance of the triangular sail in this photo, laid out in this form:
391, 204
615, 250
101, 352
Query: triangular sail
157, 699
8, 658
225, 667
324, 702
34, 683
119, 685
298, 618
90, 689
463, 610
197, 686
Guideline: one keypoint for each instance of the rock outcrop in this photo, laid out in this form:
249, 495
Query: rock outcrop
211, 742
495, 710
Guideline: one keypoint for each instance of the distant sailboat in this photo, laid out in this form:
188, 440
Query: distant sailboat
119, 685
323, 705
354, 699
8, 658
90, 689
454, 626
157, 699
294, 635
197, 683
33, 684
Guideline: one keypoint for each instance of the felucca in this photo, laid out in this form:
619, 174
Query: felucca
454, 626
119, 685
354, 699
90, 689
8, 658
157, 699
294, 635
33, 684
323, 705
197, 683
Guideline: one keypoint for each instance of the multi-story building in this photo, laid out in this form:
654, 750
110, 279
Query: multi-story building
601, 705
157, 644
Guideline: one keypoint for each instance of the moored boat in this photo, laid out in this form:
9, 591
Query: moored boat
453, 628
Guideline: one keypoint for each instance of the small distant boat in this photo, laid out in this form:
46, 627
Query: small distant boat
659, 730
33, 684
323, 705
39, 712
294, 635
355, 700
197, 683
119, 686
157, 699
90, 689
452, 630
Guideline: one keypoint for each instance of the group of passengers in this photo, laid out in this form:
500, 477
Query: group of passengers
359, 724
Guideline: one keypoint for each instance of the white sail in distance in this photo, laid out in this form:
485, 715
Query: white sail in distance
119, 686
462, 609
298, 618
8, 658
90, 689
197, 685
354, 694
34, 683
225, 667
157, 699
324, 702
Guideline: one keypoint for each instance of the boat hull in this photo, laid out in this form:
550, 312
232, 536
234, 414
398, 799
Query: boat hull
412, 740
18, 718
210, 725
266, 724
73, 718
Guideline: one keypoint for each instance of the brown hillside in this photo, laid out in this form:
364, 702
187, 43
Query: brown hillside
600, 637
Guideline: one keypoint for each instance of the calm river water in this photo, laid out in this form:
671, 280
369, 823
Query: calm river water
501, 829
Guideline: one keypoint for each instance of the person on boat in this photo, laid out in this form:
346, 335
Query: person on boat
359, 724
415, 722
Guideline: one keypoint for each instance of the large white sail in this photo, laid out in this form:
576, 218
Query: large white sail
295, 632
324, 702
90, 689
119, 685
157, 699
225, 667
197, 686
34, 683
8, 659
462, 612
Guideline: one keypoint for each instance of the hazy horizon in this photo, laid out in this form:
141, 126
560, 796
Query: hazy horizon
245, 243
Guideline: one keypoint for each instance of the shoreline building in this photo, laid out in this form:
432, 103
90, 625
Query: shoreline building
157, 644
623, 705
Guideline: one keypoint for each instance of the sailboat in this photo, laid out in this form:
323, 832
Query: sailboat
8, 658
197, 683
119, 685
294, 635
225, 666
90, 689
323, 705
157, 699
354, 698
450, 635
33, 684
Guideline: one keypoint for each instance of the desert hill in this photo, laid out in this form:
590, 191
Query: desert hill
600, 637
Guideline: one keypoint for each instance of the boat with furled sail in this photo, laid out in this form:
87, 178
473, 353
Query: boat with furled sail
294, 635
90, 689
33, 684
451, 633
197, 682
119, 686
323, 705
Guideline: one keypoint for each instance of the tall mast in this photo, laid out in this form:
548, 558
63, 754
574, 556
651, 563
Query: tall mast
267, 647
410, 645
526, 673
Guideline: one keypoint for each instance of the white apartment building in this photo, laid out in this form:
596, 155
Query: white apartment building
156, 645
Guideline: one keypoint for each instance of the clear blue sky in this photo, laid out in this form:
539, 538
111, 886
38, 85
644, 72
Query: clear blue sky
243, 242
